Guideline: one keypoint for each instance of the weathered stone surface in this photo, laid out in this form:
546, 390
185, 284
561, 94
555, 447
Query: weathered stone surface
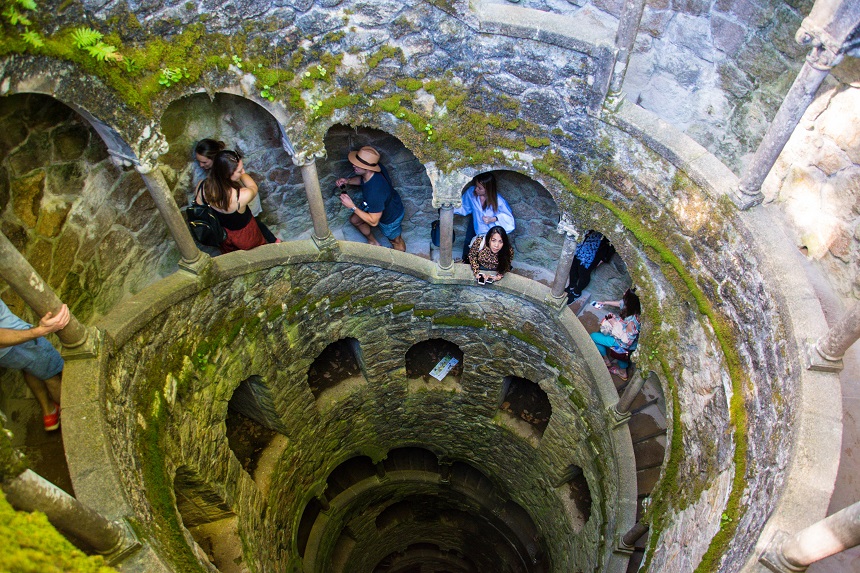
692, 7
27, 196
530, 71
728, 35
544, 106
66, 178
52, 217
655, 22
34, 153
70, 142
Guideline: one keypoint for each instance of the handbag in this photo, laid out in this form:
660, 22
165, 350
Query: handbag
204, 224
618, 353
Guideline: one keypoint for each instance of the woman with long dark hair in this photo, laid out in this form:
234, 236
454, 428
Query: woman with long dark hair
487, 208
204, 156
229, 190
619, 335
491, 255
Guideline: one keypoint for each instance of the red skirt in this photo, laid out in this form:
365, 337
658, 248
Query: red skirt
244, 239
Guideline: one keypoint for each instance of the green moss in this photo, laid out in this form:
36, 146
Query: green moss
528, 339
550, 361
385, 52
340, 300
401, 308
410, 84
459, 320
425, 312
564, 381
537, 141
30, 543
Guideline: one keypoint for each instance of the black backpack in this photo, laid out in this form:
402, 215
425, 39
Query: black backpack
204, 224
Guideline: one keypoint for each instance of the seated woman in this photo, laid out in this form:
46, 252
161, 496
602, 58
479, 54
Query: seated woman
619, 335
487, 207
204, 153
229, 190
491, 255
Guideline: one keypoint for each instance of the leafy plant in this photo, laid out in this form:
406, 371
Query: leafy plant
86, 37
33, 38
238, 61
15, 17
171, 76
266, 93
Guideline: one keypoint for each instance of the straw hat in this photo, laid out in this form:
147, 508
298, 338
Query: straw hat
366, 158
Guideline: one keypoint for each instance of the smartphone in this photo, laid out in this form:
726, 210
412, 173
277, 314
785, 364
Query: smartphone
339, 190
482, 280
596, 304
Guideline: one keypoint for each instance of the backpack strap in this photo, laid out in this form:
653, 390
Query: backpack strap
199, 192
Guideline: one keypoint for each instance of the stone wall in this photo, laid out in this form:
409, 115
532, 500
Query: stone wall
274, 323
717, 70
816, 181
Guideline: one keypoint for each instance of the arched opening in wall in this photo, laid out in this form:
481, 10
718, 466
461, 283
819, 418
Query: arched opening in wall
434, 364
472, 481
411, 459
574, 492
247, 127
348, 474
537, 244
524, 407
209, 520
406, 172
306, 524
255, 433
64, 204
336, 372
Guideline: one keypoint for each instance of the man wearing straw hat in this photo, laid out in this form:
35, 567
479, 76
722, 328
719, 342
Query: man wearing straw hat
381, 207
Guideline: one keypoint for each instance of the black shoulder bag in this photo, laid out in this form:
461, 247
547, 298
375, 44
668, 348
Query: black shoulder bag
203, 222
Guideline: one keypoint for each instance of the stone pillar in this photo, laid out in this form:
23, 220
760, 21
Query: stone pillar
628, 27
621, 410
30, 492
446, 236
558, 297
627, 541
827, 353
824, 538
25, 281
322, 235
193, 260
824, 55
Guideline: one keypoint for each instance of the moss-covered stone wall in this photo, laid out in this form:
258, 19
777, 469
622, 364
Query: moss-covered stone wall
169, 412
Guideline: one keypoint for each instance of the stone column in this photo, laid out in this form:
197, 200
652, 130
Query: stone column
558, 297
824, 538
322, 235
25, 281
626, 544
628, 27
824, 55
30, 492
193, 260
827, 353
446, 236
621, 410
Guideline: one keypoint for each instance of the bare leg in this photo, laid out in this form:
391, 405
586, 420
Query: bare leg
40, 391
399, 243
364, 229
53, 385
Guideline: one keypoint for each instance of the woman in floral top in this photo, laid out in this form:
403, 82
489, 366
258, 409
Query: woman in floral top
490, 256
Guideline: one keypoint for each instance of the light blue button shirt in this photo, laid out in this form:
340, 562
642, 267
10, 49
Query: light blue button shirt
472, 206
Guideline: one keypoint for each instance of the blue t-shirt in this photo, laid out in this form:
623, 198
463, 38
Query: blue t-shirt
9, 320
380, 197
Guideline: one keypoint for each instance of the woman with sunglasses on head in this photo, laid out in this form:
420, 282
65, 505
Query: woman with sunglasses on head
229, 190
487, 208
491, 255
204, 155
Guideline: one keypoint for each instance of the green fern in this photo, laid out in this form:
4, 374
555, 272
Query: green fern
16, 17
86, 37
27, 4
33, 38
102, 52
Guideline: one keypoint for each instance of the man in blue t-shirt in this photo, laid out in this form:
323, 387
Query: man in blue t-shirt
381, 207
23, 347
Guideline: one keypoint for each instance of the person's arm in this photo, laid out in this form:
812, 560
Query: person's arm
474, 250
354, 180
247, 191
49, 323
615, 303
371, 219
504, 217
468, 200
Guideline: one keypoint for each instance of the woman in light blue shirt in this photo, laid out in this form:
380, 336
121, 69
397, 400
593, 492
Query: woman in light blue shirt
487, 207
